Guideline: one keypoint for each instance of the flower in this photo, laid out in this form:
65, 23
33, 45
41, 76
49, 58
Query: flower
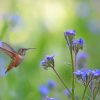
69, 36
48, 62
97, 74
0, 43
44, 91
81, 60
51, 84
81, 43
12, 19
78, 74
47, 98
87, 75
66, 92
70, 32
77, 45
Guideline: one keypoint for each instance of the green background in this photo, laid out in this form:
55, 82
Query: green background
41, 25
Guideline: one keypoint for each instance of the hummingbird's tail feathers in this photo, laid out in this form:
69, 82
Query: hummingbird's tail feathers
8, 69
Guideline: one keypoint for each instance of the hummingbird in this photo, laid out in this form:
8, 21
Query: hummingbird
17, 57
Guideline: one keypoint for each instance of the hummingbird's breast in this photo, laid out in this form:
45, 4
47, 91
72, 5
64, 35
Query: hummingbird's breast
17, 60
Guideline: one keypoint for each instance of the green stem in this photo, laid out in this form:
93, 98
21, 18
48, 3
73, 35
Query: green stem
75, 61
97, 91
87, 83
84, 92
73, 86
61, 80
4, 30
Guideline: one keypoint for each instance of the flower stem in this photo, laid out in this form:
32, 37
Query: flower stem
73, 86
84, 92
75, 61
86, 89
97, 91
61, 80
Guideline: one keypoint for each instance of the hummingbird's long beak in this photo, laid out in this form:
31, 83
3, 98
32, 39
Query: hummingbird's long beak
30, 48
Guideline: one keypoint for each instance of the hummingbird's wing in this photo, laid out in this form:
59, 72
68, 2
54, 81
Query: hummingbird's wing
7, 46
7, 49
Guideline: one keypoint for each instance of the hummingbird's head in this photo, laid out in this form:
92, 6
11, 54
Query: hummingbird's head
22, 51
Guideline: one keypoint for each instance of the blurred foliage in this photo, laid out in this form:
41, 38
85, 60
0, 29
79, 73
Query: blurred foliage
41, 24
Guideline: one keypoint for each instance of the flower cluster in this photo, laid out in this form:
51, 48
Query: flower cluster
86, 75
74, 44
77, 45
48, 62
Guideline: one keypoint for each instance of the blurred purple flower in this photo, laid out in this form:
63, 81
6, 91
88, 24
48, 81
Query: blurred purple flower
47, 98
51, 84
82, 9
81, 60
94, 26
66, 92
0, 43
12, 19
44, 91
